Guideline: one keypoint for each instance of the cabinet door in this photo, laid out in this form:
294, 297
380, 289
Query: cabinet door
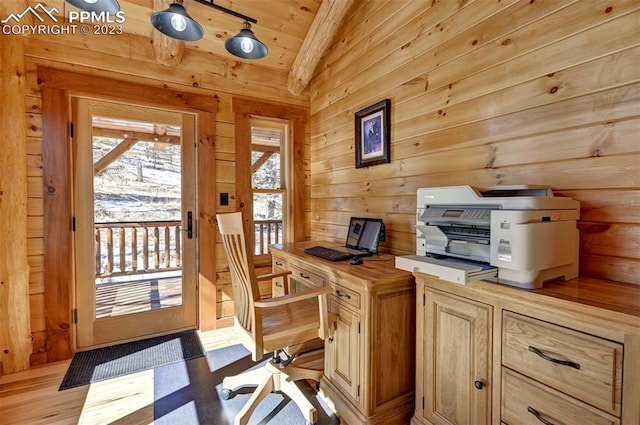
343, 352
456, 360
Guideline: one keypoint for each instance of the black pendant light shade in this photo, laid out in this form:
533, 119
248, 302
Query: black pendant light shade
176, 23
110, 6
245, 45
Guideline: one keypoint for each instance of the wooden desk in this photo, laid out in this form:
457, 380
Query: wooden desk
370, 360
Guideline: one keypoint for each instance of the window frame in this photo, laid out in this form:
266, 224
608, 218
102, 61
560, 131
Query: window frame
297, 117
285, 176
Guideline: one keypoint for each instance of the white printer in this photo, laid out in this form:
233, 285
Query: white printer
516, 235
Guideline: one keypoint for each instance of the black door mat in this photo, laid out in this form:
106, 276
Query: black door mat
122, 359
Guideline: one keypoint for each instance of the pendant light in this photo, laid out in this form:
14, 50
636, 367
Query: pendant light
176, 23
245, 45
110, 6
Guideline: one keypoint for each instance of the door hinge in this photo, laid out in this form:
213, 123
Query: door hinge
424, 299
75, 316
422, 403
71, 129
358, 391
358, 327
73, 223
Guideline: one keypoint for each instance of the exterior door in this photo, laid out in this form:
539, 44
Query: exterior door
134, 172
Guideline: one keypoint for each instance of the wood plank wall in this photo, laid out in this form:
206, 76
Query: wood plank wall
482, 93
130, 58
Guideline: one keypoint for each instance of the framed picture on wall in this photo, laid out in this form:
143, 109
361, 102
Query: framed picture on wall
373, 134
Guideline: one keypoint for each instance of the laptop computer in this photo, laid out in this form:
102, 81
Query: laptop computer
362, 240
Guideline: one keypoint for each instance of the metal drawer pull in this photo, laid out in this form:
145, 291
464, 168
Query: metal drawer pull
341, 295
279, 284
538, 416
551, 359
304, 276
278, 263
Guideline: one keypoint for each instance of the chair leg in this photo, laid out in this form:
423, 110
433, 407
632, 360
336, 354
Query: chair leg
263, 390
252, 377
270, 378
291, 389
298, 373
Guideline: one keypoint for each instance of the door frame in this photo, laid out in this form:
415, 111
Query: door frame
56, 88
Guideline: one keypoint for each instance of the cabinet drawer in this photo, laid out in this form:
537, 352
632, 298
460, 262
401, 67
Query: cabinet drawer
277, 288
526, 402
345, 295
279, 264
586, 367
306, 277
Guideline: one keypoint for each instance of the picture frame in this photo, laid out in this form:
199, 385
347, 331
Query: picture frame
373, 134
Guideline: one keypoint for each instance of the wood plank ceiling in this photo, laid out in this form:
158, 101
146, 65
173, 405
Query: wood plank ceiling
282, 26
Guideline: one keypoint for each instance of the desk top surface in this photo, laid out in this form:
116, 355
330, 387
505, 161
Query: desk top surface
608, 295
377, 268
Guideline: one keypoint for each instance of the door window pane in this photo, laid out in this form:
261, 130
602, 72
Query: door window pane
137, 189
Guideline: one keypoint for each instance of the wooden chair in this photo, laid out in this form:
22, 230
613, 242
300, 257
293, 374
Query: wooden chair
269, 325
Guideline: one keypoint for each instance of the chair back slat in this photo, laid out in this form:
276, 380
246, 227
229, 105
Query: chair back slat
241, 269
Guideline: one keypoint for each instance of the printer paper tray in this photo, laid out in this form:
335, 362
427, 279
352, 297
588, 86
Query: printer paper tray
450, 269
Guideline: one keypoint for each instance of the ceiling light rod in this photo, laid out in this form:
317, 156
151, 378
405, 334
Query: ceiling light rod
229, 11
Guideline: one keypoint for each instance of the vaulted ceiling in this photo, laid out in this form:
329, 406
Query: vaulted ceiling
282, 24
287, 27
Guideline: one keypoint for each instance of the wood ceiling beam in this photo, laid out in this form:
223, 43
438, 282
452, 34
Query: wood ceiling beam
324, 27
256, 147
138, 135
260, 161
166, 50
127, 126
113, 154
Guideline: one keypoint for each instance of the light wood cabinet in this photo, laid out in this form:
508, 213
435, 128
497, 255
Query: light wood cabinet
454, 361
370, 358
343, 365
567, 353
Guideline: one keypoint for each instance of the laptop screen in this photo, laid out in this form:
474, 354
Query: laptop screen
364, 234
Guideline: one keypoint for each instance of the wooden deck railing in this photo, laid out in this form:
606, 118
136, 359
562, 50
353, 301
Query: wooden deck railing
124, 249
267, 232
131, 248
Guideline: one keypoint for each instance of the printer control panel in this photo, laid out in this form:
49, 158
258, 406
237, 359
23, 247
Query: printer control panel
472, 216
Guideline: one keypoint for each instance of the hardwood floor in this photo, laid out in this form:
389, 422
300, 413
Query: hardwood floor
32, 397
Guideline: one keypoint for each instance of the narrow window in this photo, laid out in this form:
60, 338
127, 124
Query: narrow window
269, 183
